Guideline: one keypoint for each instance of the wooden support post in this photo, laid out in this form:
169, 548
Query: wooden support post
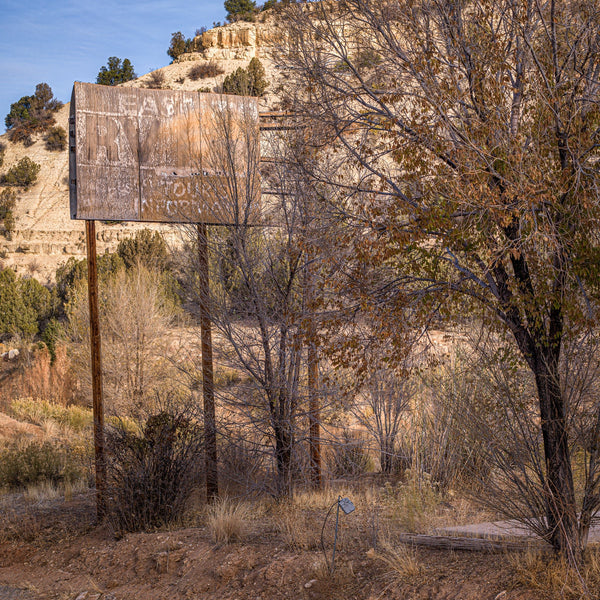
98, 409
208, 389
314, 416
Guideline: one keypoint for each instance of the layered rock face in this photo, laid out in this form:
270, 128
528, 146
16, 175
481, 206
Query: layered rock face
228, 42
241, 41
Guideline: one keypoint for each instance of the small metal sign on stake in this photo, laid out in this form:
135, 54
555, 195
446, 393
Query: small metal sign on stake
347, 507
148, 156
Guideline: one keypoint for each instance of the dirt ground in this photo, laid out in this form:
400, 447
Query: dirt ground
54, 550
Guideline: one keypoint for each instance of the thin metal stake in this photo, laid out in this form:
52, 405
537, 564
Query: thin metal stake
337, 519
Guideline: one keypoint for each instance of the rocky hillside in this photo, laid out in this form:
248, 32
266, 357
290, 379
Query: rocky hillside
44, 235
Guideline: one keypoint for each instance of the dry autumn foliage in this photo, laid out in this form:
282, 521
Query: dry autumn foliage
458, 152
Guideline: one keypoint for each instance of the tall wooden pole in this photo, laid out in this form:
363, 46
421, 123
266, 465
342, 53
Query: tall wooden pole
208, 389
314, 416
312, 359
98, 409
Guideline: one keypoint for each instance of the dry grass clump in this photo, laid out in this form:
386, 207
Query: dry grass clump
225, 377
339, 583
541, 571
227, 521
205, 70
315, 499
51, 428
322, 499
298, 529
46, 490
402, 561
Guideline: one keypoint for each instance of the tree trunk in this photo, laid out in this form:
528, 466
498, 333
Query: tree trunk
386, 462
561, 514
283, 457
386, 456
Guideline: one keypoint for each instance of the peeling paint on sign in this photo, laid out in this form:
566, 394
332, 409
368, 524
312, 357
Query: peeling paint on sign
163, 156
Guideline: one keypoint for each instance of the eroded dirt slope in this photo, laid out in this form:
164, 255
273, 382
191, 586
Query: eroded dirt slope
54, 551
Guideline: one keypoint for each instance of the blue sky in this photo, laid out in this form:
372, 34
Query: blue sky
59, 42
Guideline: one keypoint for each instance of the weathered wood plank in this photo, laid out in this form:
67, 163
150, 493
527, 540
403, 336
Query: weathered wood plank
162, 155
106, 157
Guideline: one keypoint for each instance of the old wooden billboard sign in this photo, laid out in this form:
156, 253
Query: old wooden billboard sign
163, 155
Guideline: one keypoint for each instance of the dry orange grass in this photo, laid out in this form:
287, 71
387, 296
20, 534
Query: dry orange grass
552, 576
401, 561
227, 520
297, 529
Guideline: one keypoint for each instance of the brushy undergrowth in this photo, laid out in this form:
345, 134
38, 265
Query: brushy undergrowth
225, 377
227, 521
23, 465
38, 412
554, 578
412, 503
153, 472
350, 457
70, 418
204, 70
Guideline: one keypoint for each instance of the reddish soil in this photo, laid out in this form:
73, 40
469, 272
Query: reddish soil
11, 429
53, 550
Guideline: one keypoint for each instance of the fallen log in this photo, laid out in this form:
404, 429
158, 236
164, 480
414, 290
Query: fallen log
490, 544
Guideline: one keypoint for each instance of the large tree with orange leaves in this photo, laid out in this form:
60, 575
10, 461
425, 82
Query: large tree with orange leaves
459, 147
